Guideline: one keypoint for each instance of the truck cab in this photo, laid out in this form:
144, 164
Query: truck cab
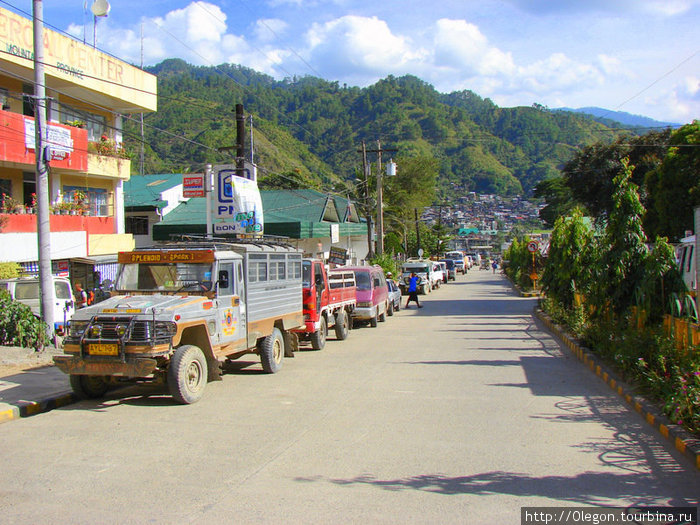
329, 301
179, 311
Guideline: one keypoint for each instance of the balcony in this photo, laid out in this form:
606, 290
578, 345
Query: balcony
27, 223
68, 143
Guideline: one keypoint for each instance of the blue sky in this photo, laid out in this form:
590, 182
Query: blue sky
639, 56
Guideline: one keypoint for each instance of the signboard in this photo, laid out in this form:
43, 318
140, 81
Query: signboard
237, 203
533, 246
337, 256
335, 233
190, 256
192, 186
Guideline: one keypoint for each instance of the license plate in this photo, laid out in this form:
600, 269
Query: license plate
103, 349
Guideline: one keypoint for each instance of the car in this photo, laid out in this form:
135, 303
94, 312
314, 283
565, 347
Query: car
451, 269
372, 294
394, 297
26, 290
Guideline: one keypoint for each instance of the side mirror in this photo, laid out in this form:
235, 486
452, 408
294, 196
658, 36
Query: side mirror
223, 279
319, 280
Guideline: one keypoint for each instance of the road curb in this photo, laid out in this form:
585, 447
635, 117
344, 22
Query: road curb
32, 408
685, 443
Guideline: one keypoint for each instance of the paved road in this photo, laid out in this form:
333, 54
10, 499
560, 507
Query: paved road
462, 412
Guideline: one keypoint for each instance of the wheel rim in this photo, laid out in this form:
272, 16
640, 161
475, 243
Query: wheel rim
193, 377
277, 351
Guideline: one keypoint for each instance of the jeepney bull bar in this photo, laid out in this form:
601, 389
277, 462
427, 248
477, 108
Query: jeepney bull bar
119, 330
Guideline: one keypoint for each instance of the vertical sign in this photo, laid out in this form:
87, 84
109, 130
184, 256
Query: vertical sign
237, 203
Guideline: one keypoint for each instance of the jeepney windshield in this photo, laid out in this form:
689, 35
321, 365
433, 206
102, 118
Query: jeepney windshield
165, 277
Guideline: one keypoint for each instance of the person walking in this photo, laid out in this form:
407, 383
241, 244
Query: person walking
413, 290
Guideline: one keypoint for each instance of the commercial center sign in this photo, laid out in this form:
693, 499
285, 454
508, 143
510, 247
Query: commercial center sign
237, 205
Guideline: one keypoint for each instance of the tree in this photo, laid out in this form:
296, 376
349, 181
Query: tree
674, 186
570, 258
623, 252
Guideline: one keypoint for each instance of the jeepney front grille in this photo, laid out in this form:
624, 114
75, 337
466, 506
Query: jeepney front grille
128, 329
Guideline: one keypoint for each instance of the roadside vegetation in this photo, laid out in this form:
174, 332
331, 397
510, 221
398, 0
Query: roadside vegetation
19, 326
617, 288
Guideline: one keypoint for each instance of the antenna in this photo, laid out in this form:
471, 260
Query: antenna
99, 8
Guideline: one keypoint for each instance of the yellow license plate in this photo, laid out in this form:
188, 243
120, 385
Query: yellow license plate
103, 349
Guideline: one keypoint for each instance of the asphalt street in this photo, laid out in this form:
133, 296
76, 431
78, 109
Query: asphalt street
464, 411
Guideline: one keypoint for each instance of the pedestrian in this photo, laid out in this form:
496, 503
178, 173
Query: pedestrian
494, 265
80, 296
413, 290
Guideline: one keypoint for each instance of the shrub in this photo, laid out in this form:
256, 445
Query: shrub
19, 326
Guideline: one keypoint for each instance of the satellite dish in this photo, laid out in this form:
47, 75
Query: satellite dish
101, 8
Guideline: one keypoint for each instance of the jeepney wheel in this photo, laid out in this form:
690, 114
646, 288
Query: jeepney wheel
342, 327
271, 351
88, 387
318, 338
187, 374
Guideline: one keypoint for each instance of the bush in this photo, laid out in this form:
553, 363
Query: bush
387, 262
19, 326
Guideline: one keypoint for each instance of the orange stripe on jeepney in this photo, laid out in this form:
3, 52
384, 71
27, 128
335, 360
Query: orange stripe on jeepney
195, 300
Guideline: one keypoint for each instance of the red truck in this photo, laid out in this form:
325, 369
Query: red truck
328, 301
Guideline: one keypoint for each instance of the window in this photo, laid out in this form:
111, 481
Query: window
278, 267
295, 266
137, 225
257, 268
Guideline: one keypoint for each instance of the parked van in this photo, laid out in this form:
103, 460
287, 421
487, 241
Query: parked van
372, 293
26, 291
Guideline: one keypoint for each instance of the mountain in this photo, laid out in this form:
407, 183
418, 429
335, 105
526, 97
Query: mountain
610, 117
311, 129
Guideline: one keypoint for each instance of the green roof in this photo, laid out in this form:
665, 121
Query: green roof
143, 191
298, 214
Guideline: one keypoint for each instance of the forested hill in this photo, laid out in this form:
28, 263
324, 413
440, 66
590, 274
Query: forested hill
313, 128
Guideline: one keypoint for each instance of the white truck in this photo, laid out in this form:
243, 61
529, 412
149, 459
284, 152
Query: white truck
430, 279
180, 311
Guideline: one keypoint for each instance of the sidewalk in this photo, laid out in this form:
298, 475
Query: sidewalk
30, 384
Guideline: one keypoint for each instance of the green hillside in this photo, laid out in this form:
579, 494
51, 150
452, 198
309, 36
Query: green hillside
313, 128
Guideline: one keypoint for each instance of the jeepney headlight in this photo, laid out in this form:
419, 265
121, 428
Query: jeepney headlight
120, 330
77, 328
165, 328
95, 331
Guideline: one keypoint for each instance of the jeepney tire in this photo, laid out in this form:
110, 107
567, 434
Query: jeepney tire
318, 338
187, 374
271, 351
88, 387
342, 325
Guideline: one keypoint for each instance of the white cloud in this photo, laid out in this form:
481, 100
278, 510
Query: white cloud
270, 29
364, 46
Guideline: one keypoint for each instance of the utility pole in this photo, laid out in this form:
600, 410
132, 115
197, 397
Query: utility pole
365, 174
415, 214
42, 174
380, 191
240, 141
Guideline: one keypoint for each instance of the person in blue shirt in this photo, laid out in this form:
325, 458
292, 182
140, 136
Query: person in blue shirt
413, 290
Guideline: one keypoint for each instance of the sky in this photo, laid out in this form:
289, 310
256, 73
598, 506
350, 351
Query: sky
638, 56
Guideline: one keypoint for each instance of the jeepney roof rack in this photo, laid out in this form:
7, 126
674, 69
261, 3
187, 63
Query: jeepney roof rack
202, 241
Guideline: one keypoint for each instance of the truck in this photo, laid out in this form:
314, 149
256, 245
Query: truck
423, 268
459, 259
181, 311
329, 300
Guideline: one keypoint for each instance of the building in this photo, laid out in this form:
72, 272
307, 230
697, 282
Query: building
311, 220
89, 92
148, 199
